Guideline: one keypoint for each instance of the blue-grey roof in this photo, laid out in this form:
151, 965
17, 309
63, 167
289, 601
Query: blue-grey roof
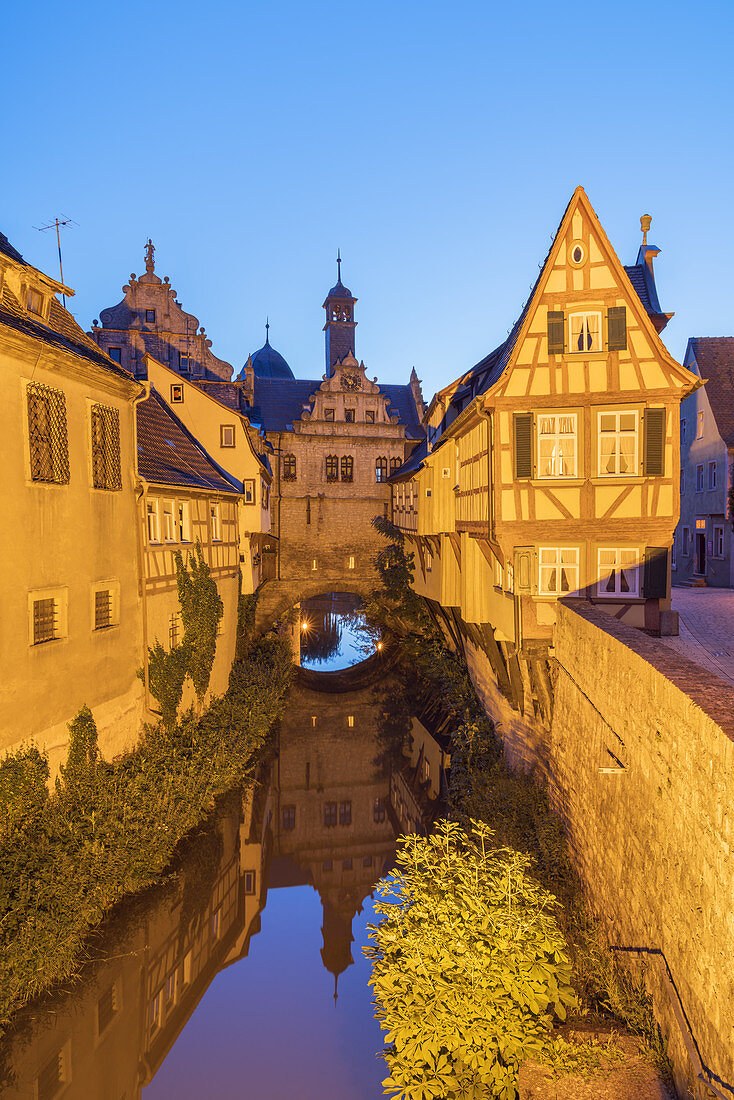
169, 454
279, 402
412, 463
341, 291
269, 363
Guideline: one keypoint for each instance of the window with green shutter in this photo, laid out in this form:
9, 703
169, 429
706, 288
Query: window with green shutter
656, 572
617, 328
654, 442
556, 332
523, 444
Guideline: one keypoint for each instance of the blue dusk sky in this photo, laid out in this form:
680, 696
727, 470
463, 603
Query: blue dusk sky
436, 144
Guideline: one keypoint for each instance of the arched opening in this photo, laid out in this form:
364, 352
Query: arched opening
333, 632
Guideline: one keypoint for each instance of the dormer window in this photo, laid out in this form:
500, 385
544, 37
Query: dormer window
584, 332
35, 302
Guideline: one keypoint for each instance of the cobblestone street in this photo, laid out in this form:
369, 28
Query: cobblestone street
706, 628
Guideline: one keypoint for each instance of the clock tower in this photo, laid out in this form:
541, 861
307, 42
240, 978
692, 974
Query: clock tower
340, 323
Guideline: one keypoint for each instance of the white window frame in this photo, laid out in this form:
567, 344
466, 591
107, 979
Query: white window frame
183, 520
554, 556
153, 529
718, 538
699, 426
699, 479
215, 519
618, 433
584, 327
711, 482
169, 520
557, 459
617, 565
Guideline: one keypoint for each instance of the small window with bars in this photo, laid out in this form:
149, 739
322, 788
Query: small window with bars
45, 620
52, 1077
289, 468
103, 609
47, 434
106, 1008
106, 472
332, 468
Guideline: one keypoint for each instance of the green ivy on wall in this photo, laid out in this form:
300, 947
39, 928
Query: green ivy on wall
201, 610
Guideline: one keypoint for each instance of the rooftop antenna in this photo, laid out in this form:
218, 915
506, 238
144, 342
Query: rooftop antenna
59, 223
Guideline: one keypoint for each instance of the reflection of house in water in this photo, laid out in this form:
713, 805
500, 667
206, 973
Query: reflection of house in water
418, 787
108, 1038
331, 824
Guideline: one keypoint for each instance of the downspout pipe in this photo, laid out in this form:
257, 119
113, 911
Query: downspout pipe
141, 492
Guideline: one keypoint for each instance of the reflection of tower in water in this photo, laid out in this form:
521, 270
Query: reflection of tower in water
332, 829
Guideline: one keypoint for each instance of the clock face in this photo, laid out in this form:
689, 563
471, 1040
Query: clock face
351, 382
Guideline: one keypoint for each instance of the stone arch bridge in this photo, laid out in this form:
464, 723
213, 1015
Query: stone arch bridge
274, 598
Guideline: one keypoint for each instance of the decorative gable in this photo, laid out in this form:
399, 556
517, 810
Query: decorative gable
348, 396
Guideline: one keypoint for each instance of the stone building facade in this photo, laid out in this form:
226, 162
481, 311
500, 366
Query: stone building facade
333, 443
150, 320
703, 546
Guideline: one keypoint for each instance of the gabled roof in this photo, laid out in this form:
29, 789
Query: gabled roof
169, 454
714, 357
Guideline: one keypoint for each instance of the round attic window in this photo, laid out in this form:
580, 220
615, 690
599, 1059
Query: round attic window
577, 253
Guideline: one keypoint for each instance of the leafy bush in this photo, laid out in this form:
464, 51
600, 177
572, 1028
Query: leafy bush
112, 828
469, 967
201, 610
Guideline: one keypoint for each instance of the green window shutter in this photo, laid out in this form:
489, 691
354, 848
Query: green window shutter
556, 332
654, 442
523, 444
617, 328
656, 572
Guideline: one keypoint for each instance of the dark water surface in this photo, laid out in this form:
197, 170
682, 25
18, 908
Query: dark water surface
241, 975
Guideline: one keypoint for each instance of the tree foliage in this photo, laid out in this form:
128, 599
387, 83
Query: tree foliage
469, 967
393, 605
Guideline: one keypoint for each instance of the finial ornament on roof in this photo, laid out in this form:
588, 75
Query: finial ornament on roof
149, 261
645, 223
339, 265
267, 330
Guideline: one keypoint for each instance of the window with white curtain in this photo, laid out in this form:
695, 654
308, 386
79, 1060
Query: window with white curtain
584, 332
618, 572
556, 444
559, 570
618, 444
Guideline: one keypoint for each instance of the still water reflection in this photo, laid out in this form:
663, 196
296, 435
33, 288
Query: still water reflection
333, 632
242, 975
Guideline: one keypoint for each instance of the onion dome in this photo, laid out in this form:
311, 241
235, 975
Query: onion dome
268, 363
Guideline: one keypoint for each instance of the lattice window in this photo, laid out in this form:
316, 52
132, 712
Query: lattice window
289, 468
345, 813
51, 1078
381, 469
102, 609
330, 812
47, 436
106, 1009
45, 620
332, 468
347, 468
106, 473
395, 464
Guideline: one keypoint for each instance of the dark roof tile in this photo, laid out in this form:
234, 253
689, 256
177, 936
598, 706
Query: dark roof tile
169, 454
715, 360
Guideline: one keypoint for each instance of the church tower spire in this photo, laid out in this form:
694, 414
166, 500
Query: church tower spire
340, 323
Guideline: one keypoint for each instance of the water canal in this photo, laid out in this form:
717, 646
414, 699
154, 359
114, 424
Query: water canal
242, 975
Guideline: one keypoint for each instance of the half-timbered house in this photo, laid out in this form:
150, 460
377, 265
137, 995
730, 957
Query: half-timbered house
550, 469
185, 498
